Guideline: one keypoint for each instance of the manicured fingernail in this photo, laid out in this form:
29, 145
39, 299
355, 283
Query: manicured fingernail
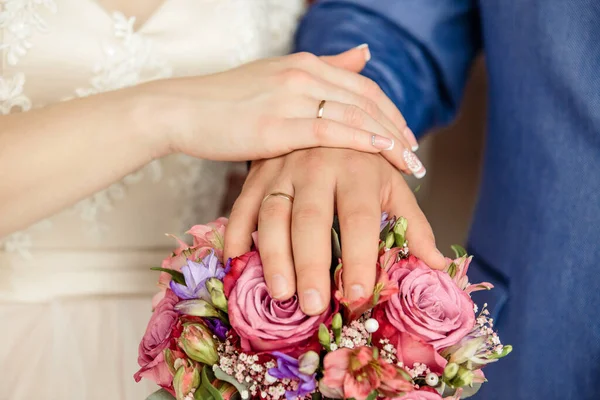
279, 286
356, 292
312, 301
382, 143
367, 52
414, 164
410, 136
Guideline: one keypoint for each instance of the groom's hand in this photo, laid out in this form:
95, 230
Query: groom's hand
294, 236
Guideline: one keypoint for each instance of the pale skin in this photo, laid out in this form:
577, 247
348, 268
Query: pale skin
275, 103
294, 236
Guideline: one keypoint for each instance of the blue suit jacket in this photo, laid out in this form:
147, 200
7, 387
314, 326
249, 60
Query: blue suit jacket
536, 231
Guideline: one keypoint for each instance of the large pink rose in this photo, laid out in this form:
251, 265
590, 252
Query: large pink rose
409, 349
156, 340
265, 324
429, 304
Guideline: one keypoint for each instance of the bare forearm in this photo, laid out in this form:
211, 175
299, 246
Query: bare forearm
52, 157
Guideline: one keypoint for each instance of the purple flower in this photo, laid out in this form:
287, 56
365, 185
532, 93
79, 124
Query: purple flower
196, 274
228, 266
217, 327
288, 368
385, 219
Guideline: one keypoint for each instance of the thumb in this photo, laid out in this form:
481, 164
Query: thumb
352, 60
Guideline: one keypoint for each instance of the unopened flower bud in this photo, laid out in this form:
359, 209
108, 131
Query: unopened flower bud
464, 377
506, 350
309, 362
170, 361
324, 337
389, 240
400, 231
197, 308
186, 381
450, 371
217, 295
336, 327
371, 325
197, 342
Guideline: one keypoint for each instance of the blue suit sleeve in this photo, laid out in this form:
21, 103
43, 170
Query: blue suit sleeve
421, 50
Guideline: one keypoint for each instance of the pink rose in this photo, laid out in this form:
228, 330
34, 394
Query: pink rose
430, 305
156, 339
263, 323
409, 349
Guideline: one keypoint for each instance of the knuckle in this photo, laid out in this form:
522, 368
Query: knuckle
371, 108
358, 216
371, 89
307, 214
304, 58
294, 78
354, 116
272, 209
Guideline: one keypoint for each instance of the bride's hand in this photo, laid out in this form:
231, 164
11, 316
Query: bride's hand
269, 108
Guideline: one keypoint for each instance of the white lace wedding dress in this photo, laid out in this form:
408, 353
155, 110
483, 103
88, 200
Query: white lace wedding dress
75, 289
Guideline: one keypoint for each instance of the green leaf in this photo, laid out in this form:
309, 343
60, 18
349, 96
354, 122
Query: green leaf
222, 376
384, 232
417, 189
459, 251
373, 395
161, 394
316, 396
336, 248
177, 276
207, 391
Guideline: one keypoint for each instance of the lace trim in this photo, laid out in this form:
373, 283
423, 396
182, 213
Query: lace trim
20, 18
11, 94
128, 60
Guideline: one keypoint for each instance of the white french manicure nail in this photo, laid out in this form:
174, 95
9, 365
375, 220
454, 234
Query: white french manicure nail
367, 51
410, 136
414, 164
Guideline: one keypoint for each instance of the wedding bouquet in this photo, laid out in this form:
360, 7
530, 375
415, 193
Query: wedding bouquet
217, 334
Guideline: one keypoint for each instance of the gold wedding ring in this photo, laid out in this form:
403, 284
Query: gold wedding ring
321, 109
279, 194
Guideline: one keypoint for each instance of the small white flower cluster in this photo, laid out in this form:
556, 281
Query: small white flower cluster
354, 335
417, 370
249, 371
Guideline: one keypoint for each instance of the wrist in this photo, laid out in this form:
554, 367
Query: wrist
151, 115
